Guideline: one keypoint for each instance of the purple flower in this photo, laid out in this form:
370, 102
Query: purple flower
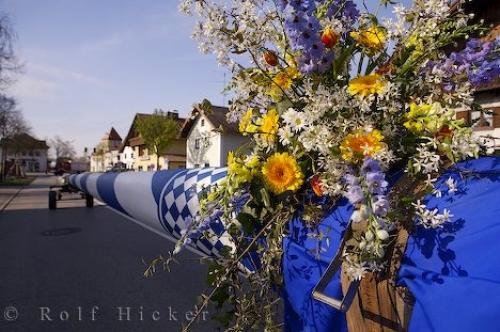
354, 194
303, 29
239, 201
380, 205
351, 180
370, 165
479, 61
347, 9
376, 183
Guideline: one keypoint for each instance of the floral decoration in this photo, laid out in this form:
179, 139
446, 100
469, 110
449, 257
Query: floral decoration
335, 100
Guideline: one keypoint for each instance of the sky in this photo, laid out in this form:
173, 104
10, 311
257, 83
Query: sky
92, 64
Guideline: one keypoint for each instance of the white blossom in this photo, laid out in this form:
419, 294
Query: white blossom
452, 186
431, 218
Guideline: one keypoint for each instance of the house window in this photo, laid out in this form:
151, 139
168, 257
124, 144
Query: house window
203, 122
196, 165
482, 119
207, 165
197, 143
140, 168
131, 156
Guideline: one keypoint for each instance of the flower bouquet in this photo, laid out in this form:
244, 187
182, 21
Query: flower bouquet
338, 102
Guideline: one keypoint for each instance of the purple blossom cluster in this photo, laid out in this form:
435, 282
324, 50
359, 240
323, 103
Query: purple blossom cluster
479, 61
195, 231
370, 184
195, 228
304, 31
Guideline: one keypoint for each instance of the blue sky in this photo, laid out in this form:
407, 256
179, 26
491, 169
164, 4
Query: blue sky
93, 64
90, 64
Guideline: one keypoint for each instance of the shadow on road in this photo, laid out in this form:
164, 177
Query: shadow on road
81, 269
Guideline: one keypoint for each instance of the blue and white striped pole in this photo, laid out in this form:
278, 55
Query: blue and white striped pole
159, 201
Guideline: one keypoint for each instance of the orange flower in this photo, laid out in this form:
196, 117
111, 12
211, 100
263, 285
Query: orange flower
271, 58
330, 37
361, 143
444, 132
316, 185
366, 85
282, 173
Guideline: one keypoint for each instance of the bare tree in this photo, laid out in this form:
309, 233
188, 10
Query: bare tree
12, 125
62, 148
8, 61
12, 122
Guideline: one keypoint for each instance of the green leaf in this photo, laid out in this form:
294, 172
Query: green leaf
212, 274
265, 198
225, 318
247, 221
221, 295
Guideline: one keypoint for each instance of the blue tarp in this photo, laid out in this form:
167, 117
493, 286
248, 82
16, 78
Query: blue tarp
453, 272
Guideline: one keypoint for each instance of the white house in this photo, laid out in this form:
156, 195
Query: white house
25, 150
210, 137
135, 152
127, 156
106, 154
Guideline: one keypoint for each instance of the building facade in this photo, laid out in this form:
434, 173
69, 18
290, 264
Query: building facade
28, 152
142, 160
209, 137
486, 123
128, 156
107, 153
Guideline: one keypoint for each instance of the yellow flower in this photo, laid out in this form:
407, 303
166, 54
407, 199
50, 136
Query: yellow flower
424, 117
366, 85
290, 59
282, 173
362, 143
252, 162
237, 171
268, 124
212, 196
372, 38
246, 126
282, 81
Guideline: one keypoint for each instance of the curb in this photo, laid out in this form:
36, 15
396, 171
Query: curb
4, 205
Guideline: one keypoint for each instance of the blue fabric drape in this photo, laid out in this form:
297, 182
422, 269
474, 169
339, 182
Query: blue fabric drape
453, 272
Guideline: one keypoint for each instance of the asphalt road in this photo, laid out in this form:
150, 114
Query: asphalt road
79, 269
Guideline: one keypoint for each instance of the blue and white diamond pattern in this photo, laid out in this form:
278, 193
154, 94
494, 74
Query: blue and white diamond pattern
180, 201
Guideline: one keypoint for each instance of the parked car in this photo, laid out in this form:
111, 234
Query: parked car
119, 167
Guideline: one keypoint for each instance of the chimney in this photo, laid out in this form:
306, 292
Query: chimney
174, 114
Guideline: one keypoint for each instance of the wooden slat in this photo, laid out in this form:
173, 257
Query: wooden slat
463, 115
381, 306
496, 117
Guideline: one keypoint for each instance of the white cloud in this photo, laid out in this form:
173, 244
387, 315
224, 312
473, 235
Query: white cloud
164, 26
28, 87
104, 44
62, 74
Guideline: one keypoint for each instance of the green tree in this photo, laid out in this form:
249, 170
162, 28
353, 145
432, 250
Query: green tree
158, 131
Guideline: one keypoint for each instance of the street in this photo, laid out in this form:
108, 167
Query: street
81, 269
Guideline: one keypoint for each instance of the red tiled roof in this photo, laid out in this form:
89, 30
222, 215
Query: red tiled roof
24, 142
113, 135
